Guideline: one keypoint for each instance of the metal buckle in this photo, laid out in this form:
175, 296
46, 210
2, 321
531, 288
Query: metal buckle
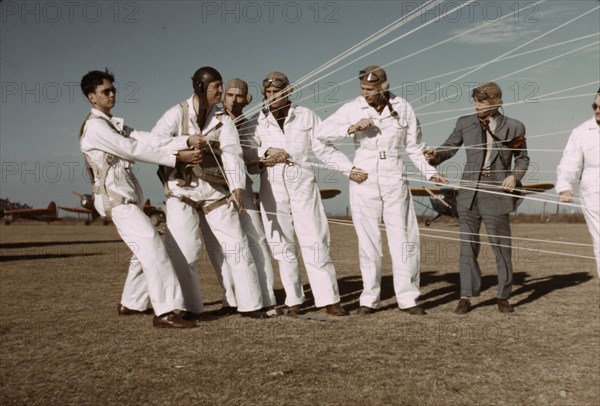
127, 200
382, 155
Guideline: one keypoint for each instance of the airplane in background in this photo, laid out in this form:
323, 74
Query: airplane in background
87, 207
49, 214
443, 199
156, 214
329, 193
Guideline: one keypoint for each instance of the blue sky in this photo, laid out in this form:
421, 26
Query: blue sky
153, 47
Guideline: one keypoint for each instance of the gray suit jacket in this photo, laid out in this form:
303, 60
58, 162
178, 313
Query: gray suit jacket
468, 131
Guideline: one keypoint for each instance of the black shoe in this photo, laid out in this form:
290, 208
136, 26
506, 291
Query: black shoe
464, 306
125, 311
335, 310
256, 314
225, 311
414, 311
294, 310
172, 320
504, 306
365, 311
195, 317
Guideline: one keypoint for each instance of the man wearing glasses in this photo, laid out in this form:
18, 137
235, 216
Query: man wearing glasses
582, 156
110, 149
493, 143
382, 125
289, 195
201, 190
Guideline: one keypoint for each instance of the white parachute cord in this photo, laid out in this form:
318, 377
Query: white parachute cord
362, 44
538, 99
511, 51
372, 38
382, 227
459, 70
531, 66
459, 186
470, 108
396, 39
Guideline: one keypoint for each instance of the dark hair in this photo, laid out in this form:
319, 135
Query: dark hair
598, 91
93, 79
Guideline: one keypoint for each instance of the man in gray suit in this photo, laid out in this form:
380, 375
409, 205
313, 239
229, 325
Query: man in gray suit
492, 141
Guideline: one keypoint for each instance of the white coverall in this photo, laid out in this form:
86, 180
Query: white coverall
385, 193
251, 218
290, 202
582, 155
183, 238
151, 275
252, 226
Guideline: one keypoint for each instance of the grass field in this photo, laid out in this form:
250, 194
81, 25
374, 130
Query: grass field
62, 342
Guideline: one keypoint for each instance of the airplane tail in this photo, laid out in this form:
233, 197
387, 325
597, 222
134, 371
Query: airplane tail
52, 207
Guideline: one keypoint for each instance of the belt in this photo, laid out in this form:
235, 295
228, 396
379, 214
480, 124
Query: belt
201, 205
388, 154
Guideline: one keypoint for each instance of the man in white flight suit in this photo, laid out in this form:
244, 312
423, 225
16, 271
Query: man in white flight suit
189, 191
381, 125
582, 156
235, 98
110, 150
289, 195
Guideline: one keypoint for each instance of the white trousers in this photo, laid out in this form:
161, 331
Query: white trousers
182, 240
284, 212
257, 249
151, 276
257, 246
213, 250
592, 218
369, 202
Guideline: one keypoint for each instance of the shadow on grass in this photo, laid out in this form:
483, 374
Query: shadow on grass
16, 256
16, 245
351, 288
7, 258
540, 287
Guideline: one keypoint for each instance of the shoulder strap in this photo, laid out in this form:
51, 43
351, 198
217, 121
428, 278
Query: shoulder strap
83, 124
164, 171
185, 125
110, 123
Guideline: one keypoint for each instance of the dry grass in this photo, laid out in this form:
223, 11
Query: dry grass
62, 342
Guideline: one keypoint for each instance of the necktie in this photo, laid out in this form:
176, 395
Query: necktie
485, 129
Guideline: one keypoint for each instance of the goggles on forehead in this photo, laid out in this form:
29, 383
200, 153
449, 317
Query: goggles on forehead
278, 83
369, 77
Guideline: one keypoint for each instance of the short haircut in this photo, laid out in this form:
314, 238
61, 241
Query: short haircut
93, 79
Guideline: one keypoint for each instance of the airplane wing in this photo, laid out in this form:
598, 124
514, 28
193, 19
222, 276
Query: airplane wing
51, 209
48, 214
329, 193
526, 188
75, 210
529, 188
424, 191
